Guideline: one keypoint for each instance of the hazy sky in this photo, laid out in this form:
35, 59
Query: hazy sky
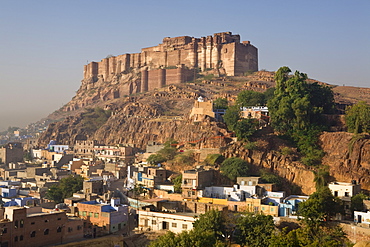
44, 44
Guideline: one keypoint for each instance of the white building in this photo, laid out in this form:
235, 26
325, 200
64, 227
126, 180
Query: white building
232, 193
346, 190
175, 222
362, 217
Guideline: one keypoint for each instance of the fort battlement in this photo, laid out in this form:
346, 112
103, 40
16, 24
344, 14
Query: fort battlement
171, 62
220, 50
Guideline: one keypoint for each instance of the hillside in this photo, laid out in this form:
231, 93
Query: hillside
164, 113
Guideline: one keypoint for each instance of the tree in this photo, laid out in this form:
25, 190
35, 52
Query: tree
186, 158
187, 239
358, 118
232, 116
250, 98
234, 167
320, 207
357, 202
27, 155
212, 221
220, 103
155, 159
66, 187
321, 177
296, 111
254, 230
245, 128
177, 181
168, 152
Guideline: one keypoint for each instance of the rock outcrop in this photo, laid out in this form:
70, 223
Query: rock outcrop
348, 157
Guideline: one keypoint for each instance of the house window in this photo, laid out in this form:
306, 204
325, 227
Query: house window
16, 224
59, 229
263, 208
335, 193
154, 222
32, 223
33, 234
46, 221
271, 209
84, 213
70, 229
5, 230
90, 214
174, 225
21, 223
46, 232
184, 226
79, 227
346, 194
59, 218
96, 215
16, 239
21, 238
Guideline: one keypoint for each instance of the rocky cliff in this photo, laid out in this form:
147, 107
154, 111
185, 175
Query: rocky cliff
348, 157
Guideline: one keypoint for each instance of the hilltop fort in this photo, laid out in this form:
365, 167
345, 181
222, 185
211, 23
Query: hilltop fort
176, 60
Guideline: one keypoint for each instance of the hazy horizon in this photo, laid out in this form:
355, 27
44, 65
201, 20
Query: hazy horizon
45, 44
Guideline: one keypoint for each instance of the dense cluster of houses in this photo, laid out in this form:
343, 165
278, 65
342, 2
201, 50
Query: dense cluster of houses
109, 201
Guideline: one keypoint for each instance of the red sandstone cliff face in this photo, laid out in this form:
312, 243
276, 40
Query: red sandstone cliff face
347, 157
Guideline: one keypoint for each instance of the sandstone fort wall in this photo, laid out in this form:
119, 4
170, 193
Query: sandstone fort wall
171, 62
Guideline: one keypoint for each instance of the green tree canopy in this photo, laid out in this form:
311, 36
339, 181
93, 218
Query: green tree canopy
213, 221
245, 128
177, 181
220, 103
296, 111
234, 167
155, 159
358, 118
250, 98
357, 202
320, 207
66, 187
254, 230
232, 116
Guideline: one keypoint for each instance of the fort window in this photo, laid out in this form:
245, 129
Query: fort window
16, 224
5, 230
46, 232
21, 238
21, 223
32, 223
16, 239
70, 229
33, 234
46, 221
59, 229
79, 227
59, 218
